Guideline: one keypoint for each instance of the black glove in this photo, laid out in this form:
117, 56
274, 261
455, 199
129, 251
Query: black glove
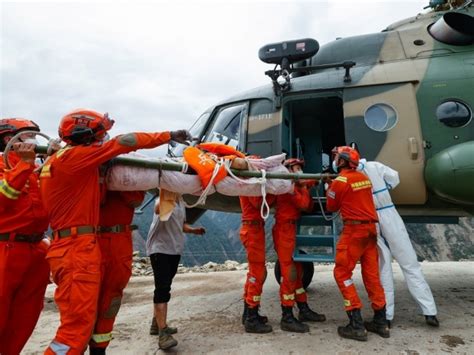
181, 136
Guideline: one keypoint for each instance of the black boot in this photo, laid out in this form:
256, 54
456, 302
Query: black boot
355, 329
290, 323
379, 324
252, 323
306, 314
432, 321
262, 319
96, 351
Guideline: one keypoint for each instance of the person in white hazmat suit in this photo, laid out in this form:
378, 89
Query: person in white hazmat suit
393, 241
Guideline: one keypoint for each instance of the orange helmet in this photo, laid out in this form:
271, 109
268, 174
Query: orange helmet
84, 126
293, 161
11, 126
14, 125
348, 154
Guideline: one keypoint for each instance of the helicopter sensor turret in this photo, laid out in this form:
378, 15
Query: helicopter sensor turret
288, 52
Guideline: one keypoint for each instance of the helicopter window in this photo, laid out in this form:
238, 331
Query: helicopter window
454, 114
226, 126
195, 130
380, 117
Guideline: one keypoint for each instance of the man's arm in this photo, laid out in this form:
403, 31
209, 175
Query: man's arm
12, 181
335, 193
86, 157
198, 231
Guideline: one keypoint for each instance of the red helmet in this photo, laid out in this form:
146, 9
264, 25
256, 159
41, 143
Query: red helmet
348, 154
14, 125
293, 161
84, 126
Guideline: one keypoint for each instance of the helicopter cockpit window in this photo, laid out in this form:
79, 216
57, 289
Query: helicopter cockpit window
454, 114
226, 126
195, 130
380, 117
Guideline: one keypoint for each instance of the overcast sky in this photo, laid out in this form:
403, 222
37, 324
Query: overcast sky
157, 66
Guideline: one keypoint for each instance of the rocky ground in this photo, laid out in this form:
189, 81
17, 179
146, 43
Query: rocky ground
141, 266
206, 307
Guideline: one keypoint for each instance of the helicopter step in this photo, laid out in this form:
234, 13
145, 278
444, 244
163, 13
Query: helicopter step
315, 247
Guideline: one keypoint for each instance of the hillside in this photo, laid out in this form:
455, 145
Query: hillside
221, 241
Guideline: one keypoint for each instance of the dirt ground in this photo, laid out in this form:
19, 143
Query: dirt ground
206, 308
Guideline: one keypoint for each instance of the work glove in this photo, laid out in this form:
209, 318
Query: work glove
181, 136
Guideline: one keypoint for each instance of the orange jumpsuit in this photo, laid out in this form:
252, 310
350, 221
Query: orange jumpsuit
252, 235
70, 192
351, 192
115, 241
288, 207
24, 272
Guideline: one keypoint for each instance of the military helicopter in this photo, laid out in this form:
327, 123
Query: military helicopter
405, 95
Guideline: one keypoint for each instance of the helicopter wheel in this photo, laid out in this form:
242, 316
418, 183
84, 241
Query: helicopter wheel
308, 271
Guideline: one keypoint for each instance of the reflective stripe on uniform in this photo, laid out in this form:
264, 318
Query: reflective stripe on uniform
59, 348
300, 291
101, 338
347, 303
8, 191
256, 298
341, 179
289, 297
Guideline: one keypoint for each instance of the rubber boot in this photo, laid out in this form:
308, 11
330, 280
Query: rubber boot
355, 329
289, 323
432, 321
166, 340
262, 319
96, 351
253, 324
306, 314
379, 324
154, 330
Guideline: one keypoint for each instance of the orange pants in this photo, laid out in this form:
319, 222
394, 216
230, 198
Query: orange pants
116, 268
75, 265
358, 242
24, 275
300, 292
253, 239
284, 240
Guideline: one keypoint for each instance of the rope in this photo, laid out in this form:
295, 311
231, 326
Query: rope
202, 199
264, 208
335, 215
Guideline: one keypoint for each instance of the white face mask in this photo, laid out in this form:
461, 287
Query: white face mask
30, 141
334, 166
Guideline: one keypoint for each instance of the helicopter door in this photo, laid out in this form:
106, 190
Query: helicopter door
384, 122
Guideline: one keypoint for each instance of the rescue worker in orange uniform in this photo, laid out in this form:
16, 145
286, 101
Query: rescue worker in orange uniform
351, 193
288, 211
116, 247
252, 235
24, 272
69, 185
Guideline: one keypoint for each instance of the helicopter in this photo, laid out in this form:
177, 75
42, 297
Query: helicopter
405, 95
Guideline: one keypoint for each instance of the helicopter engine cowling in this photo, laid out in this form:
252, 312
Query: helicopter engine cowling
450, 174
454, 28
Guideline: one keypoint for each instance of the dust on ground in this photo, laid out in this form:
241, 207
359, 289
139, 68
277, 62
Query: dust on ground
207, 308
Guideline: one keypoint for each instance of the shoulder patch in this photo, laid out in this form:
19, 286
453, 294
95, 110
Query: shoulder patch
360, 185
331, 194
128, 140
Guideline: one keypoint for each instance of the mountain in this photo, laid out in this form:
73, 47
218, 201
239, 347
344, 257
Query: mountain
221, 242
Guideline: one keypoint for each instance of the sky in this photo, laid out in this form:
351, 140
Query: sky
157, 66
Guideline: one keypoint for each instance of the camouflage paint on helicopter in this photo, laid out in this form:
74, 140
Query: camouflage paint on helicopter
391, 108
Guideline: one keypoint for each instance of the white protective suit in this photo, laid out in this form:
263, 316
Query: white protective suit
393, 241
